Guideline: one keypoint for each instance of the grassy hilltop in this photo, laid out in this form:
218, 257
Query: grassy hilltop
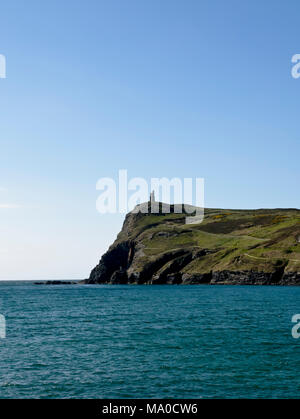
230, 246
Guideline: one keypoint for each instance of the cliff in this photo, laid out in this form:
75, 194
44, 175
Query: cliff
257, 247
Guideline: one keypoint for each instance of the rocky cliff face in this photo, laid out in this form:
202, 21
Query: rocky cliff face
258, 247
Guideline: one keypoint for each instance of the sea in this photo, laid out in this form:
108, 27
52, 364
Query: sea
99, 342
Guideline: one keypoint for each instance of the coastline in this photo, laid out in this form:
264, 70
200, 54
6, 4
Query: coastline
231, 247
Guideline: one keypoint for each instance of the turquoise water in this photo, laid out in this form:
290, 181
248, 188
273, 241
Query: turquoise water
148, 341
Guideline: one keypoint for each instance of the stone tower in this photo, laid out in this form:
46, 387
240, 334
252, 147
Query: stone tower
152, 196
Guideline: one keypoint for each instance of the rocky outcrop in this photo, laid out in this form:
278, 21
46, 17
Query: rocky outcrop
113, 265
159, 249
57, 283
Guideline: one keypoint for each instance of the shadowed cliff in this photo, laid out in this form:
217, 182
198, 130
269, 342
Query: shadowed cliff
230, 247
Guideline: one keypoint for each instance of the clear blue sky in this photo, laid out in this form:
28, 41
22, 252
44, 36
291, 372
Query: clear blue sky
162, 88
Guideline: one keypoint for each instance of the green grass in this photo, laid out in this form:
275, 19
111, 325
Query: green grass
237, 237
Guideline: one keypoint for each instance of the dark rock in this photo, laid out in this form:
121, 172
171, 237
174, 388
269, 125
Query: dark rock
131, 260
56, 283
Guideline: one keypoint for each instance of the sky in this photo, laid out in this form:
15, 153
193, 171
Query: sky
185, 88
